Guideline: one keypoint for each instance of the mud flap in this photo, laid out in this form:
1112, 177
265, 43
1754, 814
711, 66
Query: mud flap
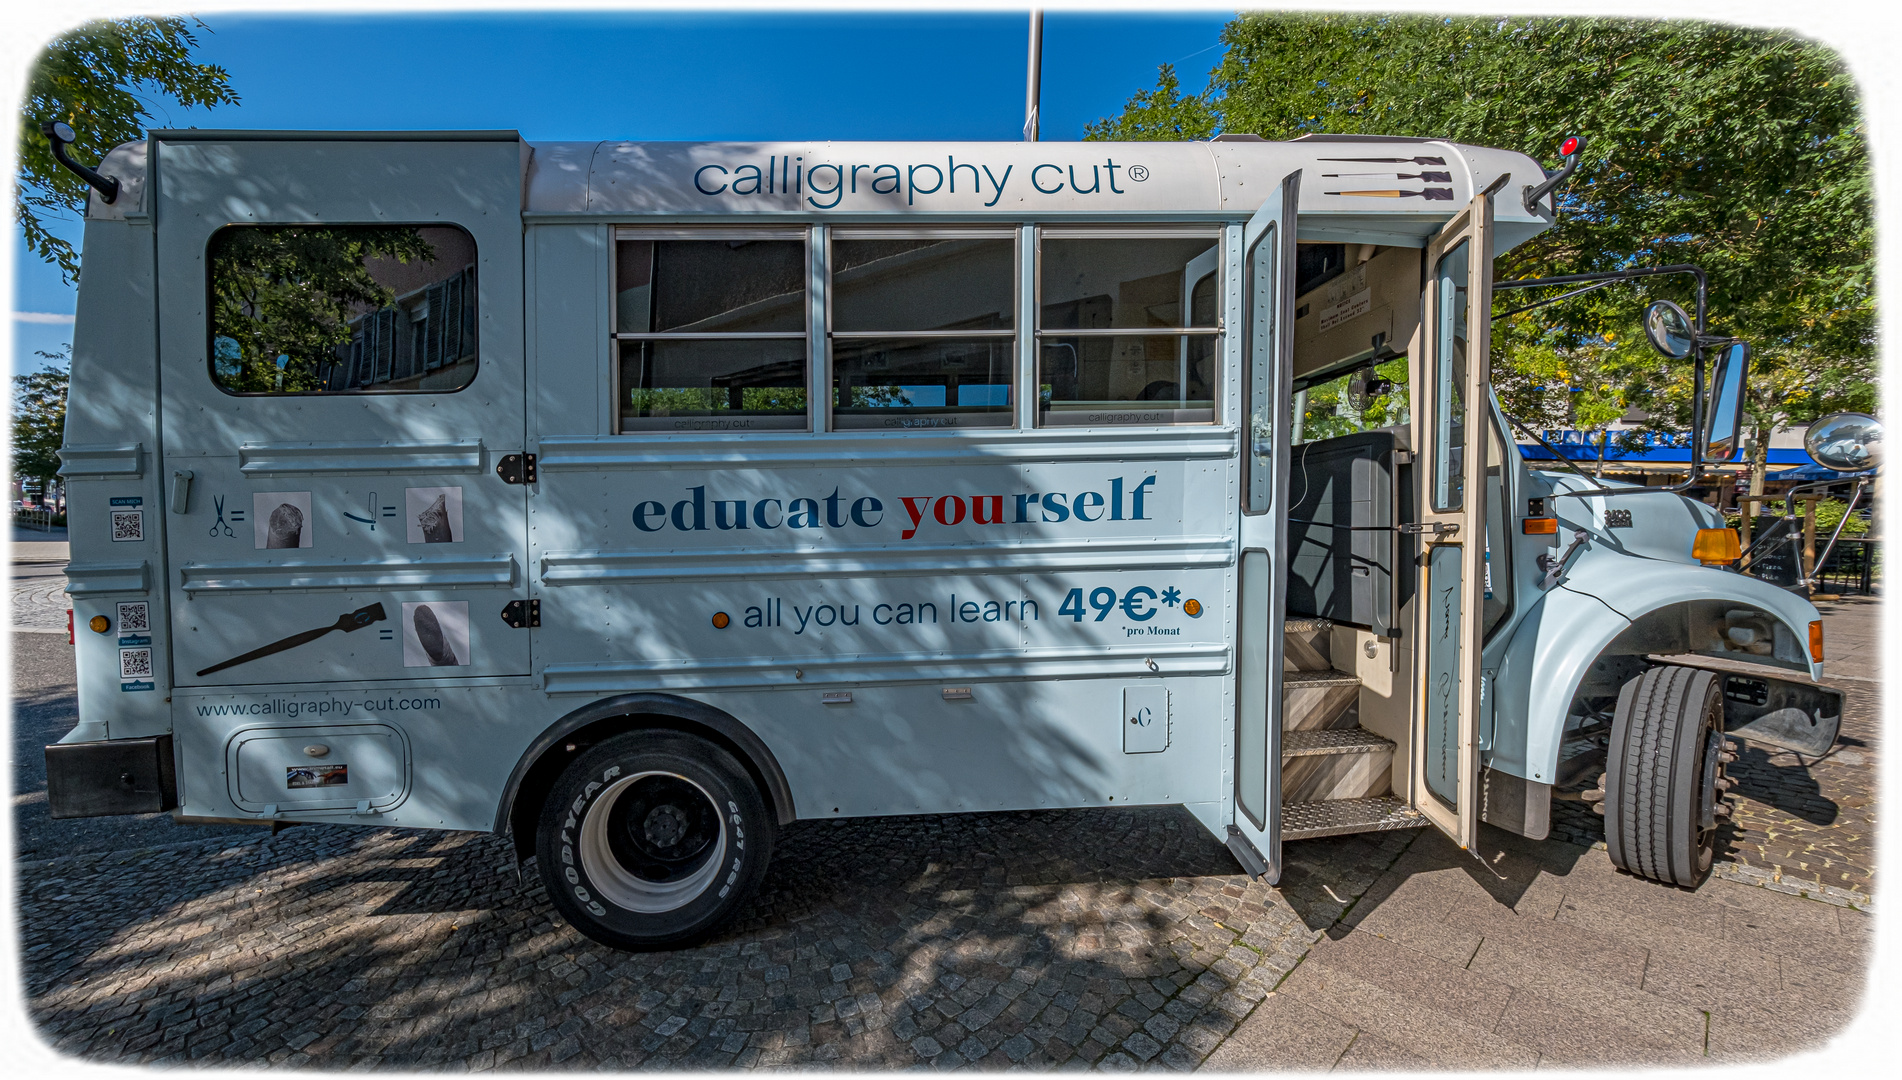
1798, 716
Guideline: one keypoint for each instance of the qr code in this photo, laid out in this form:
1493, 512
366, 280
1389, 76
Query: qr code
135, 663
128, 525
133, 617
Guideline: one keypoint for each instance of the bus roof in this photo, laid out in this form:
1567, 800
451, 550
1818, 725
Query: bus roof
1354, 188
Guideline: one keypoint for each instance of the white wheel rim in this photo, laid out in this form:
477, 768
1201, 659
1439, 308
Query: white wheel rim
622, 887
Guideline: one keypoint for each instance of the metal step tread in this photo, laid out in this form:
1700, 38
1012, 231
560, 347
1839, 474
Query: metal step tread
1292, 679
1302, 743
1305, 626
1344, 816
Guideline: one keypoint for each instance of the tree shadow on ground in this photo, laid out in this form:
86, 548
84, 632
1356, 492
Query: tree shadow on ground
1042, 936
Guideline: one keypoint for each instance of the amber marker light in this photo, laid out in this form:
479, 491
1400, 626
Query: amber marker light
1816, 642
721, 619
1192, 608
100, 624
1541, 526
1716, 547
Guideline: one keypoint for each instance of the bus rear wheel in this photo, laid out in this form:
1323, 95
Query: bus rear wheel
652, 839
1664, 775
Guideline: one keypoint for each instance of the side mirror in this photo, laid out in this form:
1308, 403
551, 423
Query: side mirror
1846, 442
1669, 329
1723, 424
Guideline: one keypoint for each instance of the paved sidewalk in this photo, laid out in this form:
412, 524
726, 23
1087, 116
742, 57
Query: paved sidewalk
1543, 955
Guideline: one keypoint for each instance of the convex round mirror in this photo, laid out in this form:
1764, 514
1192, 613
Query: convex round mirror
1669, 329
1845, 441
63, 133
1723, 424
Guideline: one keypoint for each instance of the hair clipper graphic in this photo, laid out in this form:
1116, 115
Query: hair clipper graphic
430, 636
434, 522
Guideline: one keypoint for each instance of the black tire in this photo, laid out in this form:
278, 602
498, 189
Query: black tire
1661, 773
653, 839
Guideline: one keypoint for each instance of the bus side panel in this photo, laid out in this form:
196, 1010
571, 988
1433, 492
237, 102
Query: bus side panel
433, 755
944, 634
116, 506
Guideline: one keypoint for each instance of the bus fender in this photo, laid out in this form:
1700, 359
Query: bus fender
542, 761
1571, 629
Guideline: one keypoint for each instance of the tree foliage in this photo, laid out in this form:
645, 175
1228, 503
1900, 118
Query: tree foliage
39, 420
282, 297
1739, 150
100, 79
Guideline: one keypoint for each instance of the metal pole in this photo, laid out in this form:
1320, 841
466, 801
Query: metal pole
1035, 82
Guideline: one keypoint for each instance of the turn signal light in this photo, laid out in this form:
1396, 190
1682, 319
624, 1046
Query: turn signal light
1542, 526
1816, 642
1716, 547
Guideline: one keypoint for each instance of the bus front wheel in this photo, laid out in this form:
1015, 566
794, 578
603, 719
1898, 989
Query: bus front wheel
652, 839
1664, 775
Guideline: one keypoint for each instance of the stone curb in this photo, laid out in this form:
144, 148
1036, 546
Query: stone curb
1745, 874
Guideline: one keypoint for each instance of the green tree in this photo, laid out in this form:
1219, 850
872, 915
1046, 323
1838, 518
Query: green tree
1739, 150
282, 297
39, 420
100, 79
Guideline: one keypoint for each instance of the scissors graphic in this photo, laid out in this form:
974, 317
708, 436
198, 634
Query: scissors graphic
219, 502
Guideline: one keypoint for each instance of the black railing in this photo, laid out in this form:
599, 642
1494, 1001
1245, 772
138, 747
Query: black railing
1854, 567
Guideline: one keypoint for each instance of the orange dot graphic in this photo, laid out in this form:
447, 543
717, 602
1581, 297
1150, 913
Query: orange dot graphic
720, 619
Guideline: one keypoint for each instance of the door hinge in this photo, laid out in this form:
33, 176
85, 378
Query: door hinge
1437, 528
523, 614
516, 468
1246, 853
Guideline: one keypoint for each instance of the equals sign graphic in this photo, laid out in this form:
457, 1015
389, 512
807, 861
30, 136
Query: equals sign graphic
386, 635
237, 515
389, 511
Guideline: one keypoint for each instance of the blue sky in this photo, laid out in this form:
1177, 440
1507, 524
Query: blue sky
660, 75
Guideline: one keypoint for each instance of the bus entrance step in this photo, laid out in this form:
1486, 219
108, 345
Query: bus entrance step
1317, 699
1306, 645
1334, 765
1300, 820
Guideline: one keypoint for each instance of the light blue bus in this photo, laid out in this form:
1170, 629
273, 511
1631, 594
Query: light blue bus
635, 500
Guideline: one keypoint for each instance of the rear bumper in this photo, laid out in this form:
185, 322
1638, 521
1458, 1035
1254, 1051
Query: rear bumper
112, 776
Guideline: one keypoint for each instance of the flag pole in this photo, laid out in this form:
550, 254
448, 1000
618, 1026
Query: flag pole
1036, 75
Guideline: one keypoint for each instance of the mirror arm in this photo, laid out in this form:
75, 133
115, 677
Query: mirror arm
106, 186
1531, 196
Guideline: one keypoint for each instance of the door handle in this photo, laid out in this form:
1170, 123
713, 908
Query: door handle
181, 491
1437, 528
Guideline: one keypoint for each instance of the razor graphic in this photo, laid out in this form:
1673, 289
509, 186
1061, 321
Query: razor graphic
355, 620
1391, 160
1428, 177
1430, 194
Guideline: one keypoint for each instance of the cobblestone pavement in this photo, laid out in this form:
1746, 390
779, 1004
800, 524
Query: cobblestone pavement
1117, 938
39, 596
1114, 937
1801, 819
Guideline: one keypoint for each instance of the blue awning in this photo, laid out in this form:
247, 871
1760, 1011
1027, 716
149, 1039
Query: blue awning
1657, 449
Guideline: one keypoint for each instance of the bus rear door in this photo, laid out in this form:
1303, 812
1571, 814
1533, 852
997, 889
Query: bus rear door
1254, 832
1450, 418
340, 331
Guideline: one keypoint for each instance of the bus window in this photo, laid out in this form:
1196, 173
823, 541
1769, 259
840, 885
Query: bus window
711, 329
922, 328
325, 309
1329, 409
1127, 328
1498, 599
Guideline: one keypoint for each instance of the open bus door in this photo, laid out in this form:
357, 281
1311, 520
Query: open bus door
1254, 832
1451, 390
